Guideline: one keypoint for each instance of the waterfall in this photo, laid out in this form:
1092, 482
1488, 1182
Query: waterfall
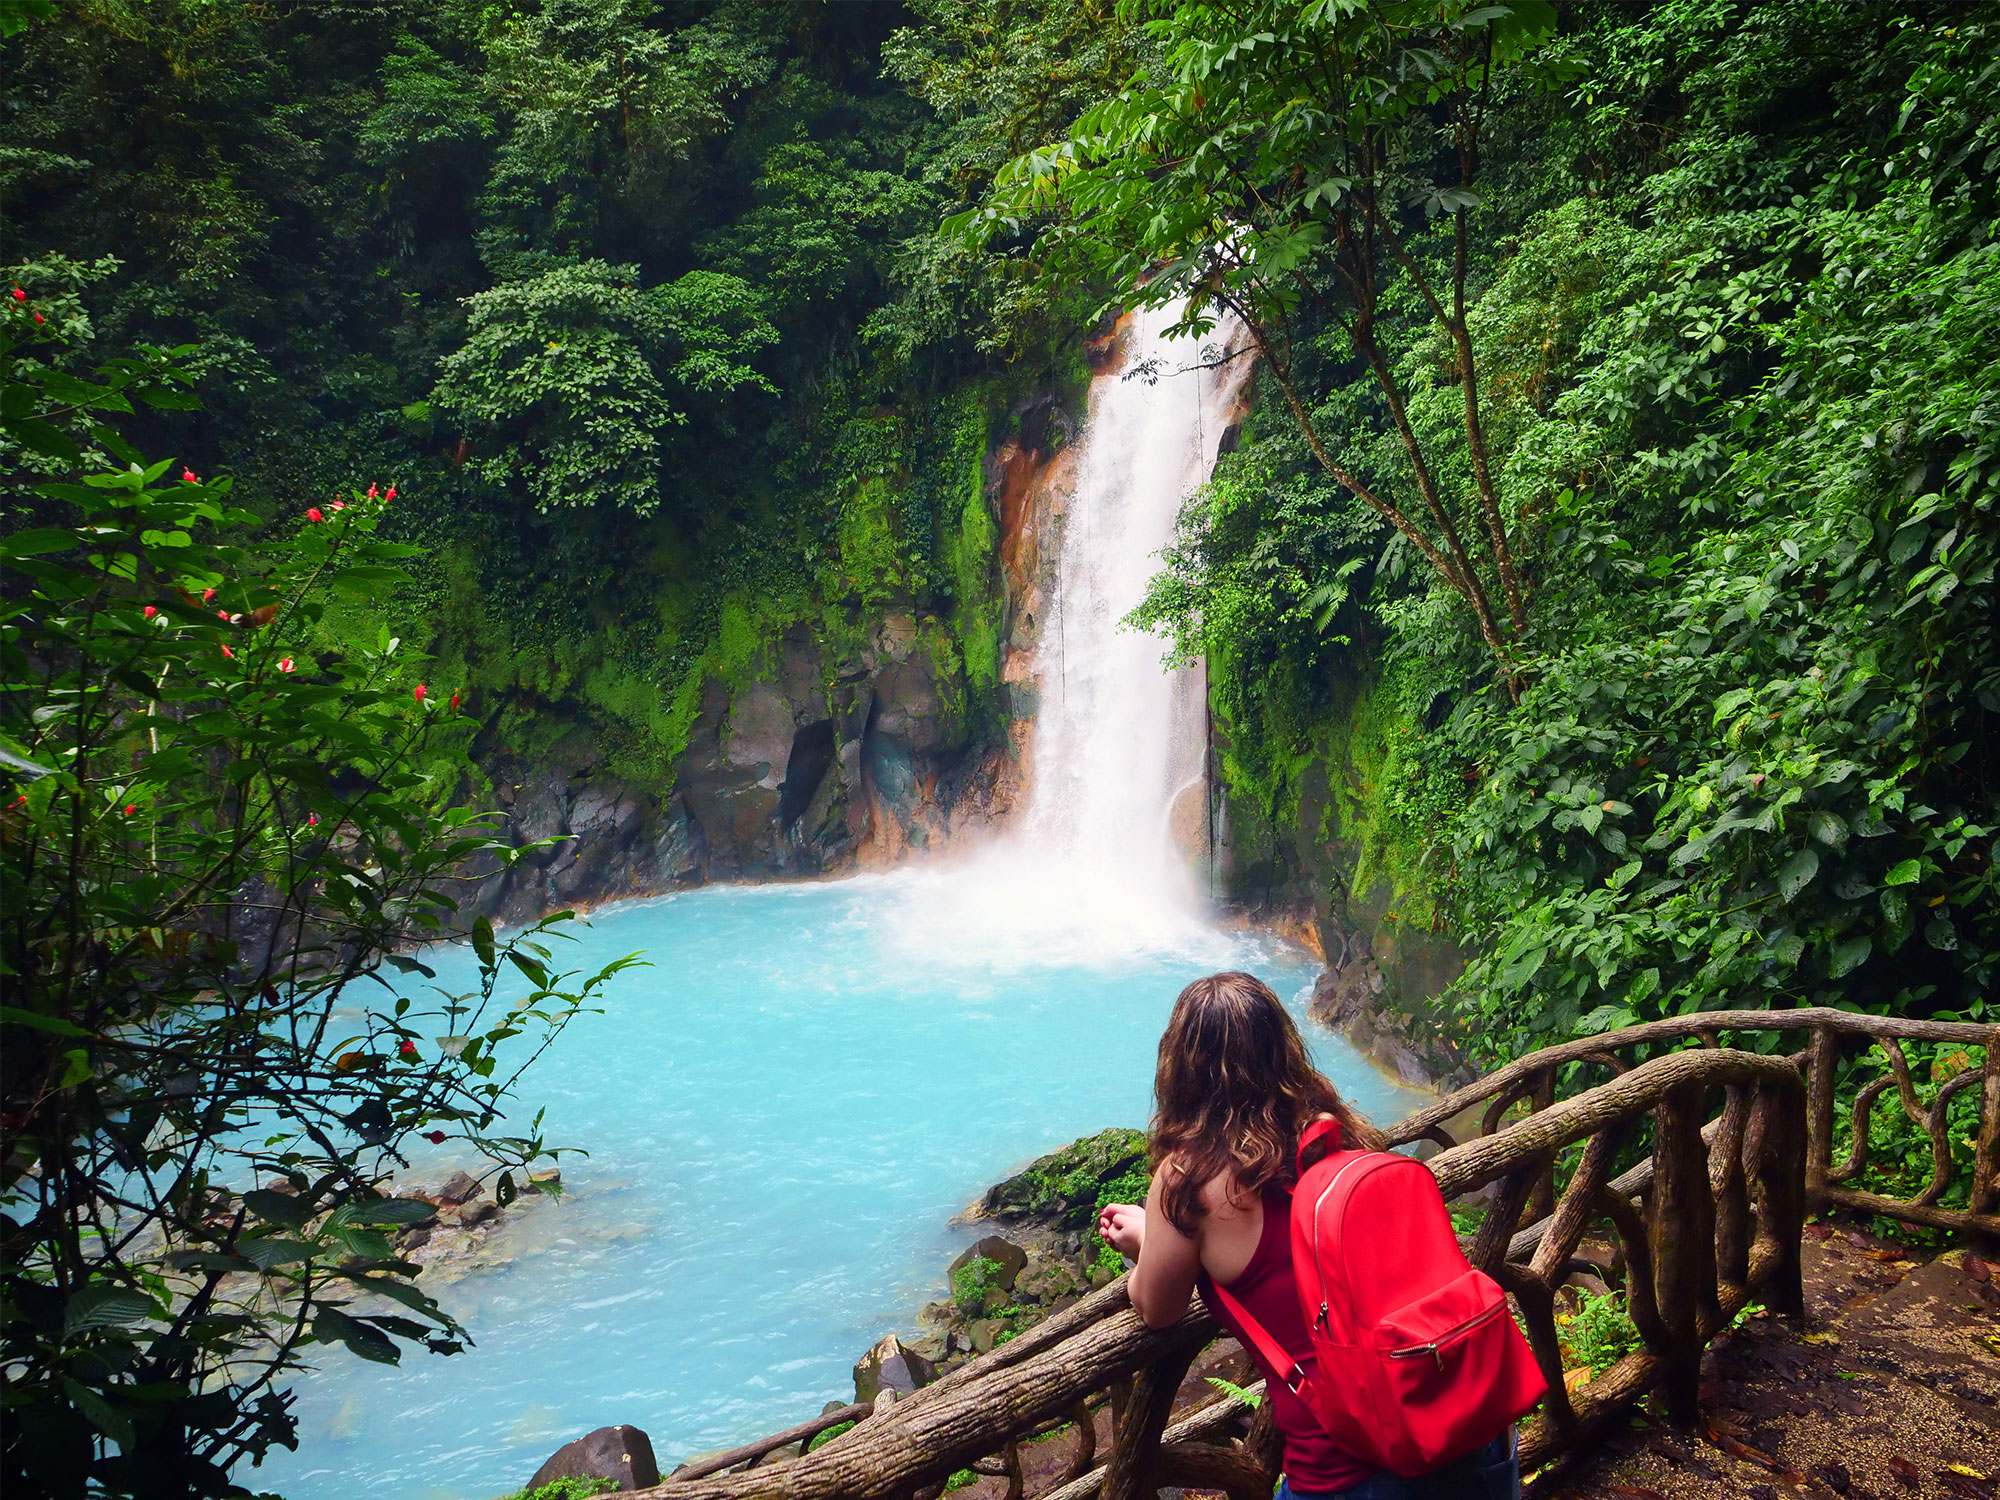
1092, 872
1118, 736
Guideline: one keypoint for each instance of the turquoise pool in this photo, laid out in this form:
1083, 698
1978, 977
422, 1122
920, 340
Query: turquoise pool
783, 1114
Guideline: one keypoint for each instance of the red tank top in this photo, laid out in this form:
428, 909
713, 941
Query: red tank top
1314, 1463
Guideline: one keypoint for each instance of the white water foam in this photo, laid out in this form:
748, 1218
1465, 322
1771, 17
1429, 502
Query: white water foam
1092, 874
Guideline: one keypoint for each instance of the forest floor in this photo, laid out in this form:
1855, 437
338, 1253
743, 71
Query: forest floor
1888, 1387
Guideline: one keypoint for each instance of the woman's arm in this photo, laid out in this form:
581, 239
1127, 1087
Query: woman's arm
1169, 1261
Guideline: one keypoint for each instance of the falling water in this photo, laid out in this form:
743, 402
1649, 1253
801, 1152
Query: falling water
1093, 871
1119, 736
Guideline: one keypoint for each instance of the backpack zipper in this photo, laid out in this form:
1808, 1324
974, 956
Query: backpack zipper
1361, 1158
1435, 1348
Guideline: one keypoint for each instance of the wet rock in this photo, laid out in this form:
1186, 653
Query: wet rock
891, 1365
465, 1215
1064, 1187
546, 1180
1048, 1283
1009, 1257
622, 1454
984, 1333
458, 1188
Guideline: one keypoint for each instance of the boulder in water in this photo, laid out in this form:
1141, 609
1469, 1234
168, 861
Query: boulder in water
1009, 1257
458, 1188
891, 1366
1064, 1188
622, 1454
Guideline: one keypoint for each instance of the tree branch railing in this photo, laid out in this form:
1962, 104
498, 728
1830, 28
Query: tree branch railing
1534, 1080
1712, 1219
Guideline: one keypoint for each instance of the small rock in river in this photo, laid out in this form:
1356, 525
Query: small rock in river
458, 1188
891, 1366
1009, 1257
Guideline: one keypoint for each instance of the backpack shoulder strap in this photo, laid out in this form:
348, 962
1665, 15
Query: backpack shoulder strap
1276, 1356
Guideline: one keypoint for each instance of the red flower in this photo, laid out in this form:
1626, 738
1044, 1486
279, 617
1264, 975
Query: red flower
422, 692
187, 477
19, 295
130, 808
314, 515
454, 703
151, 610
39, 318
312, 820
371, 492
285, 665
435, 1137
408, 1049
340, 505
228, 653
206, 595
222, 614
392, 493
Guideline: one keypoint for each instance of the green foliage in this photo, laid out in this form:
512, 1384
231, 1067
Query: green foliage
568, 1488
222, 826
310, 196
1237, 1393
571, 375
975, 1285
1598, 1333
1281, 159
830, 1434
960, 1479
1734, 395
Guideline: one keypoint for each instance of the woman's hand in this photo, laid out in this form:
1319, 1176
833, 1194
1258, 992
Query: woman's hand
1122, 1226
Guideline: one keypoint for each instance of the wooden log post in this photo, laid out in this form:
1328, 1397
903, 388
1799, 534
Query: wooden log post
1986, 1153
1213, 1466
1824, 1077
1542, 1202
1730, 1190
1775, 1147
1129, 1474
1085, 1422
1681, 1236
1264, 1443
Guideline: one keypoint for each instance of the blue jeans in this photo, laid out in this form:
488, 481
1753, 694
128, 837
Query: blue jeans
1489, 1473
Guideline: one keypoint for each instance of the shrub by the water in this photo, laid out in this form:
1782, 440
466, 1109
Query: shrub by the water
225, 818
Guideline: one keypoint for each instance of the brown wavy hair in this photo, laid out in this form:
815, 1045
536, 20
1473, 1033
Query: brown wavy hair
1234, 1090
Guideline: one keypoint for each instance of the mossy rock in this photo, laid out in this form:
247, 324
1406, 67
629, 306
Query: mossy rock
1064, 1188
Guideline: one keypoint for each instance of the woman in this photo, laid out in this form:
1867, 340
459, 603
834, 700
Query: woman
1232, 1094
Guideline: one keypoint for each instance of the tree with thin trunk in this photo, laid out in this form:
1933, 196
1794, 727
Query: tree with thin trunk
1290, 164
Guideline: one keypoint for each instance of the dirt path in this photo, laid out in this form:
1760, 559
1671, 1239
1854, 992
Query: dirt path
1890, 1387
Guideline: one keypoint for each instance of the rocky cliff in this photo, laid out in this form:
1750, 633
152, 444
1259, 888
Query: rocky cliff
1303, 874
849, 746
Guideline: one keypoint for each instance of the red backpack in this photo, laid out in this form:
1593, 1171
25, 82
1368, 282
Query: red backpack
1415, 1359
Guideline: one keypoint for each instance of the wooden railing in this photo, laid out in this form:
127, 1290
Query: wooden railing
1534, 1080
1728, 1150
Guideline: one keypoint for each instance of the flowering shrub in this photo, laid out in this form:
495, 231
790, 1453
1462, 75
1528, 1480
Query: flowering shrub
217, 825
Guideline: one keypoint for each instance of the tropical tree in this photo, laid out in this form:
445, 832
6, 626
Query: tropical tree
569, 378
1297, 165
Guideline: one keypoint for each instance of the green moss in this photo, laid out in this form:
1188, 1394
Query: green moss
567, 1489
871, 551
1067, 1187
972, 551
